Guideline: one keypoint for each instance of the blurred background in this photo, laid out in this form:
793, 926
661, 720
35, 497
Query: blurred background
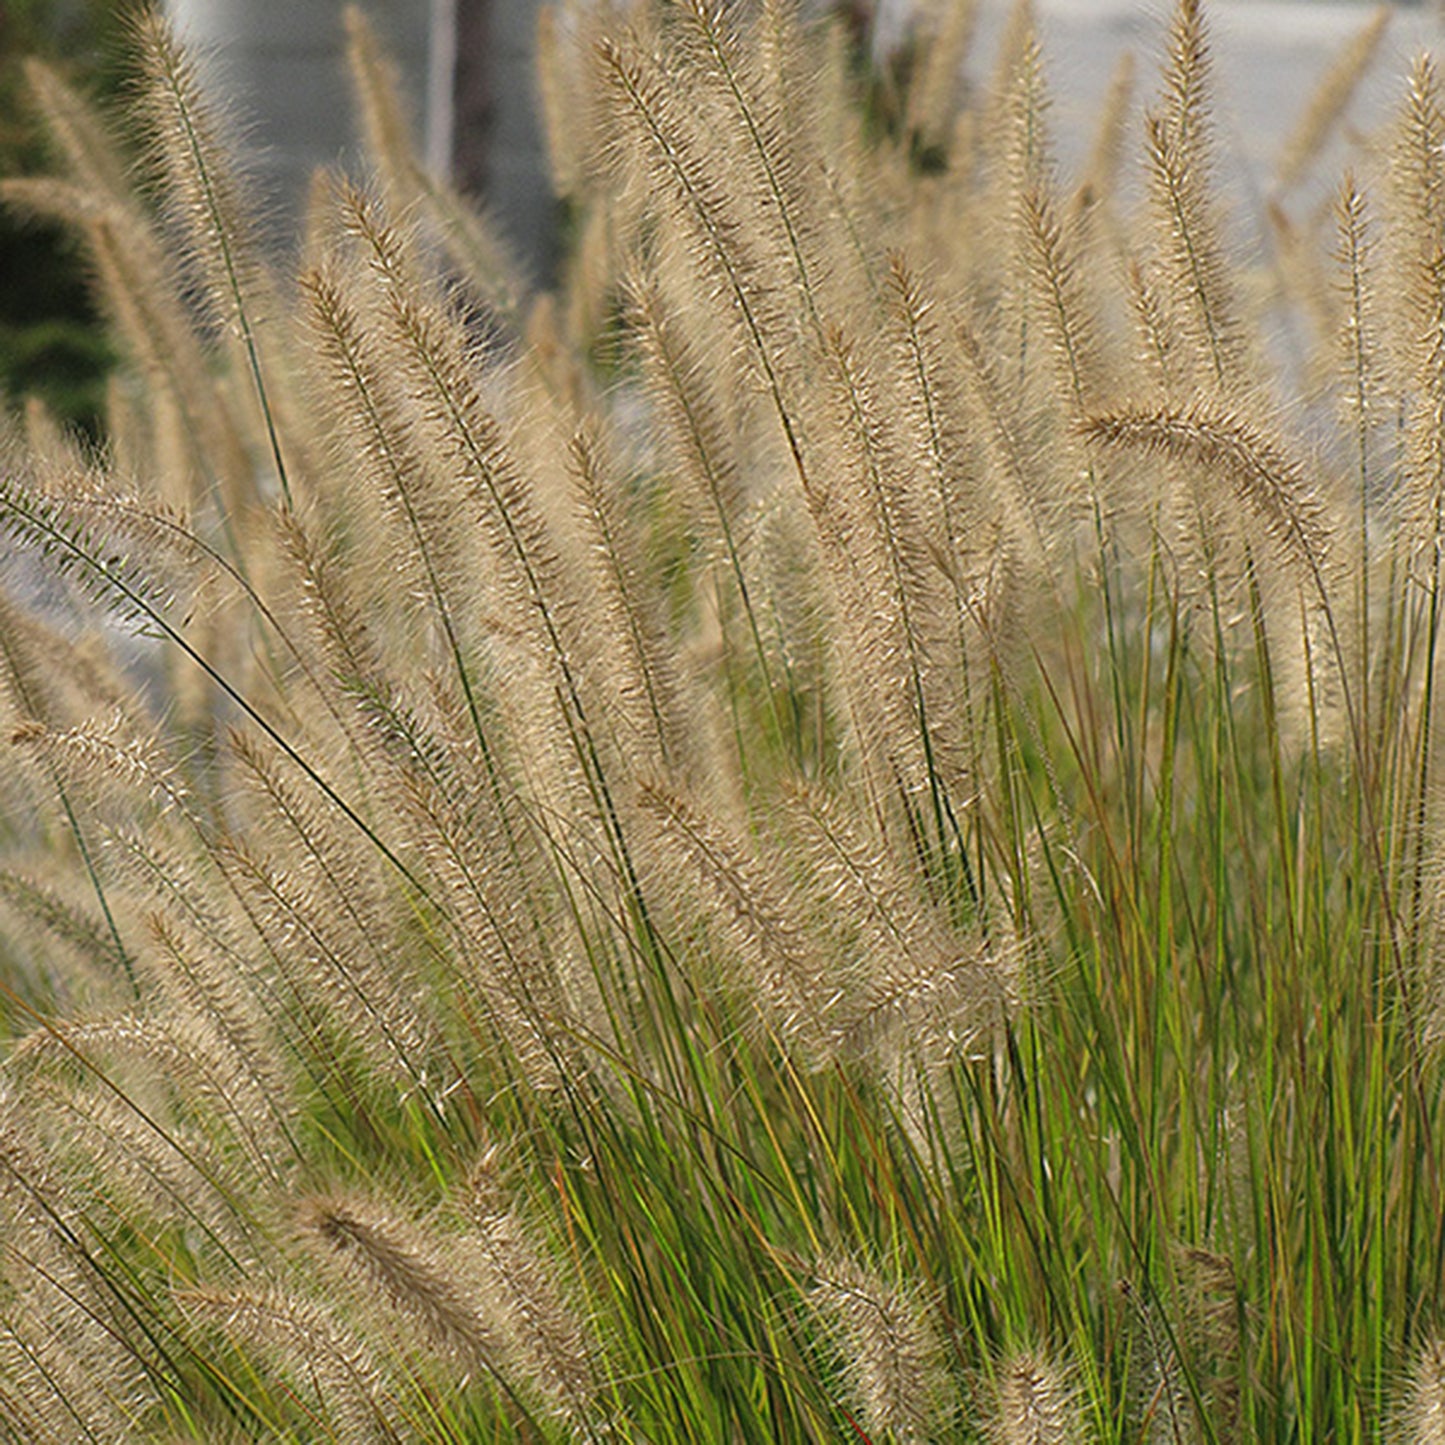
468, 66
51, 341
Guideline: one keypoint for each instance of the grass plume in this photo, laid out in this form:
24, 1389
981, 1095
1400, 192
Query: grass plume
852, 743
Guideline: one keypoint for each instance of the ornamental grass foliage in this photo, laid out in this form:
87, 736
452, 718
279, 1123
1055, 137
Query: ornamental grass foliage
828, 831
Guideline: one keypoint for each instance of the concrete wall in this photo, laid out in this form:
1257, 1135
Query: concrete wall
282, 64
498, 150
467, 66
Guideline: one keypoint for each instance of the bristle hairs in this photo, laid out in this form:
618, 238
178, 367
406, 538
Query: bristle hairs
411, 1271
486, 1296
1418, 1417
751, 906
311, 1344
1273, 485
480, 255
1193, 264
207, 204
1036, 1402
187, 151
1330, 101
636, 672
1416, 271
505, 773
551, 1341
890, 1353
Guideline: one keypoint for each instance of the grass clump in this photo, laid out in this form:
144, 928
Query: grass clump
830, 831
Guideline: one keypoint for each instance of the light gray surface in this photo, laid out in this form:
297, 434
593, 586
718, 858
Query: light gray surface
519, 186
1268, 57
280, 64
281, 61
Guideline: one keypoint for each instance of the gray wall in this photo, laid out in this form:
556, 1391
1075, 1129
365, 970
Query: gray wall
280, 64
498, 151
467, 66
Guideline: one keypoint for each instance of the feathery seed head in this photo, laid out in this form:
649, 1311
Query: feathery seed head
311, 1344
1422, 1415
1037, 1404
415, 1274
890, 1355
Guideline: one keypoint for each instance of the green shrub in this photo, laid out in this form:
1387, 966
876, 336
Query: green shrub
52, 342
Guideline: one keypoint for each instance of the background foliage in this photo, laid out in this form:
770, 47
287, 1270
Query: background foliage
51, 341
